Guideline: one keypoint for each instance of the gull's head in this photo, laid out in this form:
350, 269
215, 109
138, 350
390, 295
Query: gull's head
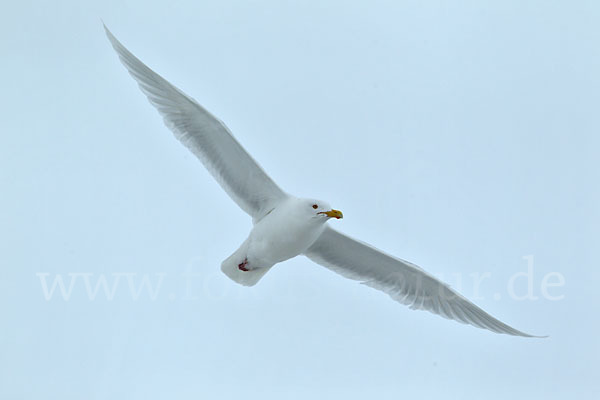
319, 210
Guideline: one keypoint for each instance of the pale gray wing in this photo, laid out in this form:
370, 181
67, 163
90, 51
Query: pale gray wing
207, 137
403, 281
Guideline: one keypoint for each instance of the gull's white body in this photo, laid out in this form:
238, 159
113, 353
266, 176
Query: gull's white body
286, 226
285, 232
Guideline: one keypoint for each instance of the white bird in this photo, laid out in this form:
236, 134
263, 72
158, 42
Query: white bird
285, 226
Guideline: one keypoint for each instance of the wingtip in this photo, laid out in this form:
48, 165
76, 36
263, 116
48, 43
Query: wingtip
108, 33
540, 337
527, 335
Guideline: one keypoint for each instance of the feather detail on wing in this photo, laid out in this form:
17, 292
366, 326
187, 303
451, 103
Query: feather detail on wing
401, 280
207, 137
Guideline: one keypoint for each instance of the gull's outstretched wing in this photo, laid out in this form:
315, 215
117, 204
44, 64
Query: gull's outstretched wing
207, 137
403, 281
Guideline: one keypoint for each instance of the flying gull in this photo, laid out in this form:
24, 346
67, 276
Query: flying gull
285, 226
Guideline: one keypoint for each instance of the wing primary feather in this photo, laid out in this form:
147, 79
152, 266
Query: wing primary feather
207, 137
403, 281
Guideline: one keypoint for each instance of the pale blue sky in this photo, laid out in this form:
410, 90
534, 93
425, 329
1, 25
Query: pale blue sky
462, 136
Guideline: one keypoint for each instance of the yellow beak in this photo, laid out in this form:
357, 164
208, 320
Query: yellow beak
333, 214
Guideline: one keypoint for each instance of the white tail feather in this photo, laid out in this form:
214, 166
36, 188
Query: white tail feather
246, 278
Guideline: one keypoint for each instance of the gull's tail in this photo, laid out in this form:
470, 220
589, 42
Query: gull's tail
230, 267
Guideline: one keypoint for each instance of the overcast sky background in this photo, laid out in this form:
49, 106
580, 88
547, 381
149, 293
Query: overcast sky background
462, 136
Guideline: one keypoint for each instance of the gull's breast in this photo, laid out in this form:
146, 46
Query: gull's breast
279, 237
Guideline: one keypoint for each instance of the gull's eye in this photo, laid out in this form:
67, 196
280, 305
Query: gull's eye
315, 206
